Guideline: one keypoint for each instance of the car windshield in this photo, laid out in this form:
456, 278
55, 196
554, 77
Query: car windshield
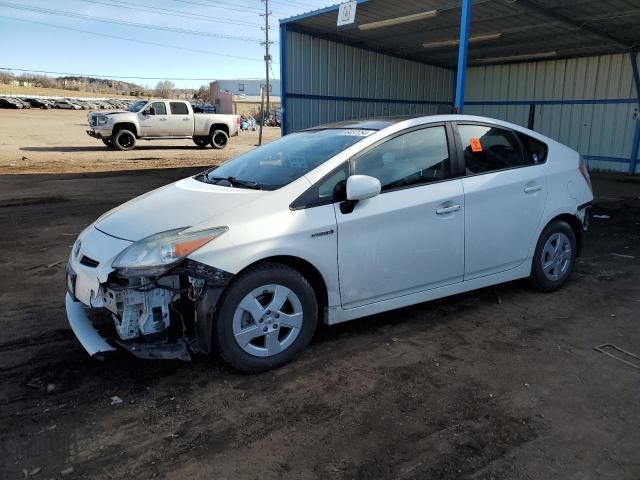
137, 106
279, 163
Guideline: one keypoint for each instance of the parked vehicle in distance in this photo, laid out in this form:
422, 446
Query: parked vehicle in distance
328, 224
161, 119
38, 103
67, 105
8, 102
23, 102
248, 123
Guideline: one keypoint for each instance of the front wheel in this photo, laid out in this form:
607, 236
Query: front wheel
265, 318
124, 140
219, 139
201, 142
554, 257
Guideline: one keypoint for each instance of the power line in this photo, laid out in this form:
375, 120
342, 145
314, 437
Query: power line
227, 6
92, 75
169, 12
296, 3
117, 37
125, 23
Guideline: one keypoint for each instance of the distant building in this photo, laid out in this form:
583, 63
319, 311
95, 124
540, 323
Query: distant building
244, 86
242, 96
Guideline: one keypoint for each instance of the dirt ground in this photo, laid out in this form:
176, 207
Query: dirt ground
500, 383
55, 141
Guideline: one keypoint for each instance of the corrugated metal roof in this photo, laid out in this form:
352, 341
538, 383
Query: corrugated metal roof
564, 28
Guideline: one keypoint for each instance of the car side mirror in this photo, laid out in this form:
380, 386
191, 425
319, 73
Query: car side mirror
361, 187
149, 111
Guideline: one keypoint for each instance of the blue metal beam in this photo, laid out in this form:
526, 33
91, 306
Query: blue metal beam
461, 78
283, 79
636, 137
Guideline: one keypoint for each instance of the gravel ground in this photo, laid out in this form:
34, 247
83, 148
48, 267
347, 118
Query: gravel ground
55, 141
499, 383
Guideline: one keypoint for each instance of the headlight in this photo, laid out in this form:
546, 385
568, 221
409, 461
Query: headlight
157, 253
103, 120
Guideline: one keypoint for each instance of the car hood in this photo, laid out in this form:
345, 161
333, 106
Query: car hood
184, 203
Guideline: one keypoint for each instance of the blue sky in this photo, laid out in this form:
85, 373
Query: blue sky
30, 39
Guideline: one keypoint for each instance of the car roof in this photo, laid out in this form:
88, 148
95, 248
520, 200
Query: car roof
379, 123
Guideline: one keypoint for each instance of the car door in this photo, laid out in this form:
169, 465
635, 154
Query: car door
153, 120
409, 238
180, 121
505, 196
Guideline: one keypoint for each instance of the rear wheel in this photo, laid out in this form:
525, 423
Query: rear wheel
201, 142
554, 257
108, 142
266, 316
219, 139
124, 140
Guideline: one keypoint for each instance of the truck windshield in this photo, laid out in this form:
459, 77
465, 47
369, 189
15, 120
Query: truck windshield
137, 106
279, 163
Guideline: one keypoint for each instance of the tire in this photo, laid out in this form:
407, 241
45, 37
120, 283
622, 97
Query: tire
201, 142
108, 142
218, 139
124, 140
554, 258
253, 338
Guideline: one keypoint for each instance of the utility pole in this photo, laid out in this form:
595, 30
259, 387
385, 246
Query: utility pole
267, 61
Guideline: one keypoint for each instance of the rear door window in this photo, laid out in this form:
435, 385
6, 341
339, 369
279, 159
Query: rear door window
179, 108
488, 149
535, 150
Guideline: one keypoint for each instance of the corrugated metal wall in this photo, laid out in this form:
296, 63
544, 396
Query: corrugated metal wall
601, 128
327, 81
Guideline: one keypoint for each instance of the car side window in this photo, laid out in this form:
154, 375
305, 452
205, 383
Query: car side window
179, 108
487, 149
535, 150
331, 188
413, 158
158, 108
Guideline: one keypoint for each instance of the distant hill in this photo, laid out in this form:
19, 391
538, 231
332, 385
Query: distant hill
101, 82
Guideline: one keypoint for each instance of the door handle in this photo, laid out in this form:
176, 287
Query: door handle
533, 188
185, 119
448, 209
163, 119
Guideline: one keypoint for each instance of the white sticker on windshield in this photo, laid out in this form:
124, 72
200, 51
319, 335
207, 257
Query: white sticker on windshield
356, 133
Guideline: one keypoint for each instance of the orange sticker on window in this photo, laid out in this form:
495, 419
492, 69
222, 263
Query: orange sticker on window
475, 145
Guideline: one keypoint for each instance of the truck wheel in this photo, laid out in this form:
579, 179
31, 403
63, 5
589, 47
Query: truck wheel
108, 142
219, 139
124, 140
201, 142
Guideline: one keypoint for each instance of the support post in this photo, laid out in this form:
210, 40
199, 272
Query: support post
461, 76
283, 80
636, 137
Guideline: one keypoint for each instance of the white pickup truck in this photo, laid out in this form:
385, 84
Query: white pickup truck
161, 119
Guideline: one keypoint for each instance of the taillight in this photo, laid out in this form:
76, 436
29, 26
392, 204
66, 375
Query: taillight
584, 170
238, 121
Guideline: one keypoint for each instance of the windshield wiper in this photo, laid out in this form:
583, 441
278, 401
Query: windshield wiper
233, 181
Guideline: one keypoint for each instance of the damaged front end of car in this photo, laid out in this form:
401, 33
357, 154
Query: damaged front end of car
161, 303
165, 317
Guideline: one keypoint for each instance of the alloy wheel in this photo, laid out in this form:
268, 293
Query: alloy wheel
556, 256
267, 320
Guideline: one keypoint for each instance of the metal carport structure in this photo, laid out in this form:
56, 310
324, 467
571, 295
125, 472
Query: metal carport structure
566, 68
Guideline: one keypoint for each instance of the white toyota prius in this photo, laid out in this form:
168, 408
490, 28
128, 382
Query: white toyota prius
329, 224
